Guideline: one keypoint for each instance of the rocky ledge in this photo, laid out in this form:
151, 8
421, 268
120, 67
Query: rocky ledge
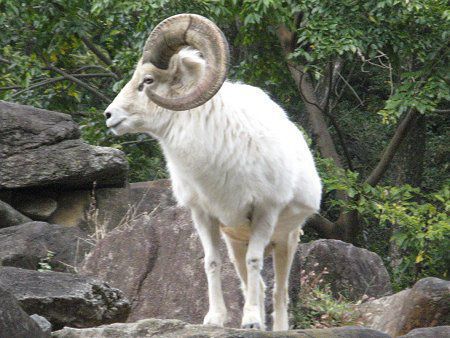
170, 328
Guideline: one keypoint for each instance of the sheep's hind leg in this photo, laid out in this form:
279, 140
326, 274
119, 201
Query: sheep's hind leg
263, 222
283, 255
209, 233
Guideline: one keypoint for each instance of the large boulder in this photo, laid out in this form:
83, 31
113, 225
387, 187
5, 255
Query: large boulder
14, 322
27, 245
40, 148
351, 271
429, 332
427, 304
65, 299
178, 329
157, 261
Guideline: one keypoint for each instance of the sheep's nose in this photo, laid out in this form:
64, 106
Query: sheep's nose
107, 114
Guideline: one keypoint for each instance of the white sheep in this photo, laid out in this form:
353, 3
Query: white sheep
235, 160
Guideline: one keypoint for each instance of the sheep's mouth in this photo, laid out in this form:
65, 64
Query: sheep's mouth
117, 123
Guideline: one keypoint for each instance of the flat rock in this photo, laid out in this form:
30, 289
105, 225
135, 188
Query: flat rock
352, 271
15, 322
429, 332
70, 163
41, 148
26, 245
24, 127
65, 299
426, 304
178, 329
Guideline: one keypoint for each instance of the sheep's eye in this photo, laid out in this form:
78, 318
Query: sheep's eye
148, 80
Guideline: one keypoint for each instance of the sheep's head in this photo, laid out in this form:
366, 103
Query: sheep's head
184, 64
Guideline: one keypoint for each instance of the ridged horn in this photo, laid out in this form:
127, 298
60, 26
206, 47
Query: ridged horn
200, 33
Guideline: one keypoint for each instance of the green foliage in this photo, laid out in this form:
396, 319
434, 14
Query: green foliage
44, 264
318, 308
417, 222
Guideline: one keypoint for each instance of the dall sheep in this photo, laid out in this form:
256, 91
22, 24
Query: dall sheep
235, 160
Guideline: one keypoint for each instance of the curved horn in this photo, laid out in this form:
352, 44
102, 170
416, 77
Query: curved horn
200, 33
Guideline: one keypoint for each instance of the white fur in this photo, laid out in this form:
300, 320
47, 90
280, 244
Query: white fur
236, 160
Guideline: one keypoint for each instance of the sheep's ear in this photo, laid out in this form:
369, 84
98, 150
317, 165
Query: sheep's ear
187, 67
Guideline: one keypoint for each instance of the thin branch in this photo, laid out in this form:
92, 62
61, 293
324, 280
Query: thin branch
10, 87
103, 57
84, 68
5, 61
81, 83
352, 90
391, 149
57, 79
340, 136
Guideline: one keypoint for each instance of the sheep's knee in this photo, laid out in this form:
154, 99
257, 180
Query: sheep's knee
212, 266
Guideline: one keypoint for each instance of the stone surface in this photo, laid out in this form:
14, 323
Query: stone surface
70, 163
353, 271
26, 245
39, 209
43, 323
10, 216
74, 208
15, 322
429, 332
427, 304
158, 262
65, 299
178, 329
24, 128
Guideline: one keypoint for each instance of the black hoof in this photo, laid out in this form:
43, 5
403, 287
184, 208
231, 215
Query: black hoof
254, 326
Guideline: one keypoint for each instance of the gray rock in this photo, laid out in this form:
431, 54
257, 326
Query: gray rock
158, 262
39, 209
70, 163
14, 322
10, 216
65, 299
43, 323
177, 329
24, 127
353, 271
429, 332
426, 304
26, 245
41, 148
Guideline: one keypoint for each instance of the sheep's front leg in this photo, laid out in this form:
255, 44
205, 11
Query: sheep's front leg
209, 233
263, 223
